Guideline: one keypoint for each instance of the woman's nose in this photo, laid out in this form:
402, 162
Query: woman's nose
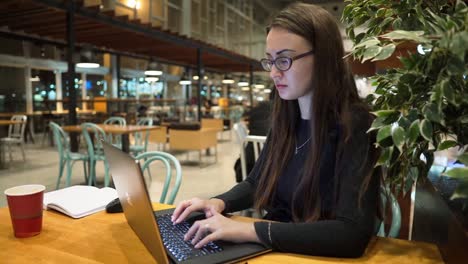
275, 73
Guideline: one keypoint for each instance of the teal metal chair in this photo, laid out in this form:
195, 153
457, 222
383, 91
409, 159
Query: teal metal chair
93, 135
66, 157
141, 138
395, 225
117, 121
171, 163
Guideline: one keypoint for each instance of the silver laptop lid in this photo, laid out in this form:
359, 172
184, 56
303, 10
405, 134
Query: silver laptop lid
131, 188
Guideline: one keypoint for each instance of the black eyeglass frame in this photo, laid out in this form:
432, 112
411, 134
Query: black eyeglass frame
290, 59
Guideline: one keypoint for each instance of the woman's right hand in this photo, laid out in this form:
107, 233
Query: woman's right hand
186, 207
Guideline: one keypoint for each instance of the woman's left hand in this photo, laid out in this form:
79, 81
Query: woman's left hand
219, 227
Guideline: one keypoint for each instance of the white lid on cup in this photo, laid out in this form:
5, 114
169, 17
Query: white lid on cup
24, 190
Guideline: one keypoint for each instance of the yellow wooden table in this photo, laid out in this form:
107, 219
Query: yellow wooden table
107, 238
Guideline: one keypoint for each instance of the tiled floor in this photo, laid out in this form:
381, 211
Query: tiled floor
41, 167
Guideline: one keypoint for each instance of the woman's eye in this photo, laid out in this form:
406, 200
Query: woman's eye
282, 62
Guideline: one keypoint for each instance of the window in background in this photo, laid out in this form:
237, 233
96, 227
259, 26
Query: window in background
95, 86
174, 15
12, 90
76, 85
128, 87
43, 89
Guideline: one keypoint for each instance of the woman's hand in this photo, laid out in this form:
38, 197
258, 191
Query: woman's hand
219, 227
186, 207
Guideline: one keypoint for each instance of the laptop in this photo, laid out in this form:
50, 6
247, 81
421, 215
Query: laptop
163, 239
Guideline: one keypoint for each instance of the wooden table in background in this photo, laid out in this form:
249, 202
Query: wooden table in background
107, 238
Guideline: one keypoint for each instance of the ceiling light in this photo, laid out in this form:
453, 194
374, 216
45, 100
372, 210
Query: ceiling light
228, 79
242, 81
87, 59
184, 80
151, 79
153, 69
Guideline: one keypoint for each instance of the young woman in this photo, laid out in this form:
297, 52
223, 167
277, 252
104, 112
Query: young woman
314, 178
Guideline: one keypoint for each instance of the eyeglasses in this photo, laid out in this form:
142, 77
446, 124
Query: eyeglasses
282, 63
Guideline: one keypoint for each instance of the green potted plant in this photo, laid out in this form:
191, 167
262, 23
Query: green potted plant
421, 107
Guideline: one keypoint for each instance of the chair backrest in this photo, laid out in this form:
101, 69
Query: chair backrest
170, 162
93, 135
258, 142
60, 139
387, 198
17, 130
141, 138
115, 120
241, 131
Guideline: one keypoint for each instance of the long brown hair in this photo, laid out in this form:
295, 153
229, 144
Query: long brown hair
334, 93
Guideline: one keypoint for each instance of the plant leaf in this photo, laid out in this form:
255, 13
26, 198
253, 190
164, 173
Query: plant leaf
425, 128
408, 35
447, 91
463, 158
413, 131
386, 52
384, 133
432, 113
457, 173
383, 113
464, 119
385, 156
371, 52
398, 136
446, 144
368, 43
377, 123
461, 191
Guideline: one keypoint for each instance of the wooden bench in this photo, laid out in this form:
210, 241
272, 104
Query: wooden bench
199, 140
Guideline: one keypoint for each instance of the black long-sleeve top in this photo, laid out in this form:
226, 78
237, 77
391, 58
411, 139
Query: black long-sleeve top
348, 234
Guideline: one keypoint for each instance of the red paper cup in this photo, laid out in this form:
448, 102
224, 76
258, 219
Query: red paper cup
25, 204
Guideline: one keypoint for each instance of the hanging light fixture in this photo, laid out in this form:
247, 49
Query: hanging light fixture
243, 82
153, 69
228, 79
196, 78
151, 79
258, 84
184, 80
87, 59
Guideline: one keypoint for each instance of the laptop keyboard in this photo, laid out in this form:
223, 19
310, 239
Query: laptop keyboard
173, 240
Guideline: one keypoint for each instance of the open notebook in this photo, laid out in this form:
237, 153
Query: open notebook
79, 201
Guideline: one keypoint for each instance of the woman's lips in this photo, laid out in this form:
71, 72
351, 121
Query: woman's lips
281, 86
